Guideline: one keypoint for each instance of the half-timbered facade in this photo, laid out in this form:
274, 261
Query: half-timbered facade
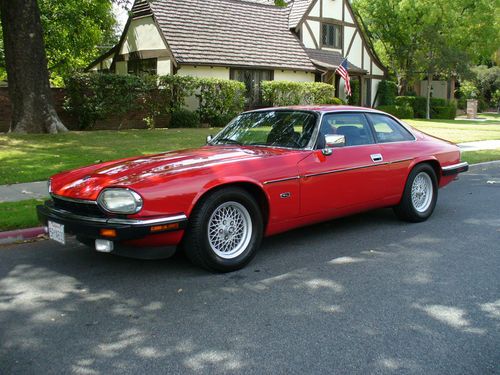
246, 40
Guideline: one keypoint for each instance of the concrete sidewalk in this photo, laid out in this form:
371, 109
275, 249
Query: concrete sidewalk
33, 190
20, 192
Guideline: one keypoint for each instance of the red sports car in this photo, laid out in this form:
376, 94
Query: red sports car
266, 172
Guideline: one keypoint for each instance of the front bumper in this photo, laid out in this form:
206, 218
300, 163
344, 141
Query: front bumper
454, 169
125, 229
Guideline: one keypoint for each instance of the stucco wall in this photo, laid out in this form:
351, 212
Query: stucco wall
439, 89
164, 66
121, 67
290, 75
204, 71
142, 35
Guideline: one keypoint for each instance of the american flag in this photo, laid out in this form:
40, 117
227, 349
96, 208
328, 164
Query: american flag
342, 71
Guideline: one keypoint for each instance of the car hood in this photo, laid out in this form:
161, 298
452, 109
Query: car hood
87, 182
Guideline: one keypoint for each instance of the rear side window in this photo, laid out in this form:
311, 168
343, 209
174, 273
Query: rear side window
388, 130
353, 126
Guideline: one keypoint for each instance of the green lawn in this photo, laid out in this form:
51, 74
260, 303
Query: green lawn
18, 215
473, 157
460, 130
26, 158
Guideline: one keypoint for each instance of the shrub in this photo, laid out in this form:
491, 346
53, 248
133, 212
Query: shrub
219, 98
184, 118
286, 93
469, 90
400, 111
419, 104
178, 88
222, 120
387, 91
91, 97
355, 98
447, 112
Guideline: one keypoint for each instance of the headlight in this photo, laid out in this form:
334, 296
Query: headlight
120, 201
49, 186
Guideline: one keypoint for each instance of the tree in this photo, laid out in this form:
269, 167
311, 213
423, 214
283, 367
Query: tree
422, 38
71, 31
26, 63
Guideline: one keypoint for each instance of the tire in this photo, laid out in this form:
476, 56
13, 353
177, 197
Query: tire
419, 196
224, 231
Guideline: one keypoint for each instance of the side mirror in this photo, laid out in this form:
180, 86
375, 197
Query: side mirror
333, 141
209, 138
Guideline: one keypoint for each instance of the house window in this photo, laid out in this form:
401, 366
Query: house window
252, 79
142, 66
331, 35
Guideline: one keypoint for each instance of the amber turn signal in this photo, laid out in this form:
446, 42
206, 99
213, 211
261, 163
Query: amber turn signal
161, 228
108, 232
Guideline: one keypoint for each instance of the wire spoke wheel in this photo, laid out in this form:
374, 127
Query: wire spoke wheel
421, 192
229, 230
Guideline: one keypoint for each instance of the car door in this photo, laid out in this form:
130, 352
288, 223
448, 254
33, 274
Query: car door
398, 147
352, 176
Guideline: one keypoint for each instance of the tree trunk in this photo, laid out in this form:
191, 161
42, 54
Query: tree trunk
429, 87
28, 78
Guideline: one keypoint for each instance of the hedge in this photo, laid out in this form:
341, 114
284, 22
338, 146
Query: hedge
447, 112
285, 93
386, 92
355, 98
220, 100
400, 111
419, 104
184, 118
96, 96
92, 97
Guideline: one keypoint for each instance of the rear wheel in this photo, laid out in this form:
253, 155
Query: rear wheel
225, 230
420, 195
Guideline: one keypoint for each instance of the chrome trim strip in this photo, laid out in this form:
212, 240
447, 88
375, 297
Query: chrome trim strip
140, 222
345, 169
281, 180
354, 168
132, 222
455, 166
74, 200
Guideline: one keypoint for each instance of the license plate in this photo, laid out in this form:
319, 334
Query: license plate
56, 232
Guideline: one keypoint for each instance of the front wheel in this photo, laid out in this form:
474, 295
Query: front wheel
225, 230
419, 196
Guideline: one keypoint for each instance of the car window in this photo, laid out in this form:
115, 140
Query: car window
277, 128
388, 130
353, 126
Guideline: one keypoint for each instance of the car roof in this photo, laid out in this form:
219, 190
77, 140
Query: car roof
320, 108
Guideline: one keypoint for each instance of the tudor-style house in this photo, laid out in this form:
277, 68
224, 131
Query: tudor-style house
246, 40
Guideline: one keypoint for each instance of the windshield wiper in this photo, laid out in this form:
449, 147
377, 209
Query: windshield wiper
229, 141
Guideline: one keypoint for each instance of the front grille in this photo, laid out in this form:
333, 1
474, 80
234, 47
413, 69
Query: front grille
85, 209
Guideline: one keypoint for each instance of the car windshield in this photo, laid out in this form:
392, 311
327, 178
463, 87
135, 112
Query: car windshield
278, 128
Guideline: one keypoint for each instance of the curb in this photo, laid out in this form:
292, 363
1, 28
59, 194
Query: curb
484, 164
17, 235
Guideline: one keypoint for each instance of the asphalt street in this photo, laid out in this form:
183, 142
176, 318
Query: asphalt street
360, 295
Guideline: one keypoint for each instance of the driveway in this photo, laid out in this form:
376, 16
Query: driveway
362, 295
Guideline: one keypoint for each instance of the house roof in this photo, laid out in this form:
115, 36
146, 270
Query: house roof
248, 33
330, 60
297, 12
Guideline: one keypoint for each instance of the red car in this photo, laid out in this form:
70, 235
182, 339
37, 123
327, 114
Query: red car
266, 172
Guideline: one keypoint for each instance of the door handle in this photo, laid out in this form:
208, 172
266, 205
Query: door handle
377, 158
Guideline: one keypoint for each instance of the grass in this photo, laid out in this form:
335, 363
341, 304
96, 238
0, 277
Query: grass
26, 158
18, 215
473, 157
460, 130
